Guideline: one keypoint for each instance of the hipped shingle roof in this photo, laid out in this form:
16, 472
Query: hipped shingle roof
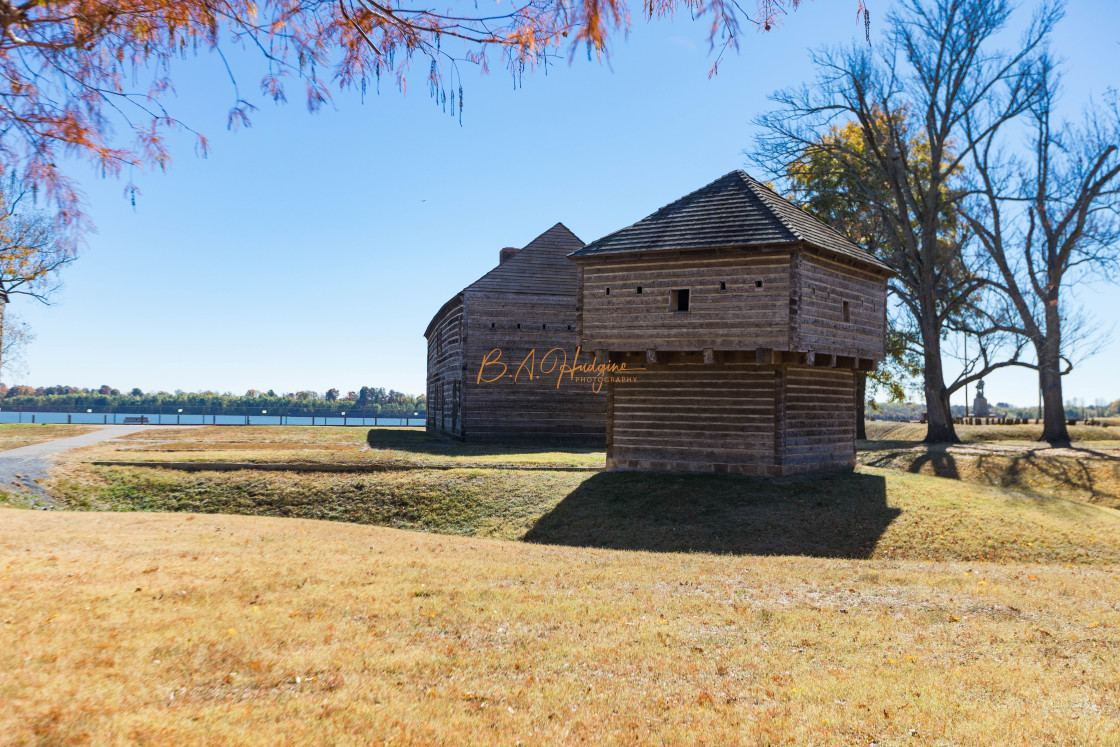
734, 210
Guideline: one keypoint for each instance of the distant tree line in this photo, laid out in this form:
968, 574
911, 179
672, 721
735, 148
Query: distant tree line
1075, 409
372, 400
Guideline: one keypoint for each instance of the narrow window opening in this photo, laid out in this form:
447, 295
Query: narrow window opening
491, 325
569, 328
544, 326
519, 326
639, 290
608, 291
847, 312
722, 286
758, 284
678, 299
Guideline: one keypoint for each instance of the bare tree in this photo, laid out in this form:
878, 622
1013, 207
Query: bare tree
16, 336
1049, 222
33, 247
910, 103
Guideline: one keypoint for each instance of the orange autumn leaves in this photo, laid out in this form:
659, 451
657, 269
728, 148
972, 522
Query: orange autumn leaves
89, 78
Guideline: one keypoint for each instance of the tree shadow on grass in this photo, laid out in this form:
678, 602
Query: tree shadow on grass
1084, 474
838, 515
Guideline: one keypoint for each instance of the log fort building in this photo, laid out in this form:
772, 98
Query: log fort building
527, 303
750, 319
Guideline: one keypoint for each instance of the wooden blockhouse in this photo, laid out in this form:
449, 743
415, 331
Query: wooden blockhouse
524, 308
750, 319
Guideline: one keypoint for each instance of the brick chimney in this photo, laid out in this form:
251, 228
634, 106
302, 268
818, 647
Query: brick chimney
506, 253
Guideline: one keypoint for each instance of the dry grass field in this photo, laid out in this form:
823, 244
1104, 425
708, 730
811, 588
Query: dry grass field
535, 606
191, 629
317, 445
886, 430
15, 435
1007, 457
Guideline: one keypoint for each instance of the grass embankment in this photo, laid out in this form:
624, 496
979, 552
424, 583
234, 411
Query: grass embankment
870, 513
15, 435
177, 629
1002, 457
391, 447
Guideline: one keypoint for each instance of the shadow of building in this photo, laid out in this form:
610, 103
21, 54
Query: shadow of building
838, 515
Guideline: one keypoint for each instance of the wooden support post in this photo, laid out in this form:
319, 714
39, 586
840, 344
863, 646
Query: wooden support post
709, 355
651, 356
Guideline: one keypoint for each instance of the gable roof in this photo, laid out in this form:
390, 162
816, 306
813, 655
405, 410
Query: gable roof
542, 266
734, 210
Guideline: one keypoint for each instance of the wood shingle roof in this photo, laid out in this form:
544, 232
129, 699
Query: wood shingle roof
541, 267
734, 210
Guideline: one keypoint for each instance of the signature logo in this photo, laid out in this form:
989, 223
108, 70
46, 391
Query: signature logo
553, 362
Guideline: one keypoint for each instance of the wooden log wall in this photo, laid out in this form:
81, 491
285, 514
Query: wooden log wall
819, 427
826, 285
445, 371
737, 301
732, 417
535, 407
718, 418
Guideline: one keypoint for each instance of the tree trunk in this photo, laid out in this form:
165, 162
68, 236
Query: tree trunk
3, 307
1054, 430
939, 417
861, 406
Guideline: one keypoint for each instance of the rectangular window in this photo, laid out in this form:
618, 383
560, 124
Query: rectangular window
678, 299
758, 284
639, 290
847, 312
722, 286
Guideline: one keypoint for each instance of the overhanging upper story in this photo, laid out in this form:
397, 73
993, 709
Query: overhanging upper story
733, 271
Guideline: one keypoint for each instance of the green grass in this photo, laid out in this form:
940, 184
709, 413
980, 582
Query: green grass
871, 513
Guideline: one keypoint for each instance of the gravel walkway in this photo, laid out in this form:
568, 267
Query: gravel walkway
20, 468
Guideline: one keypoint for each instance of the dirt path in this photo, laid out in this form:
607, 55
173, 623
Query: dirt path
22, 468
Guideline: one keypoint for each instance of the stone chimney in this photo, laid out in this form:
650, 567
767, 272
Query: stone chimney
506, 253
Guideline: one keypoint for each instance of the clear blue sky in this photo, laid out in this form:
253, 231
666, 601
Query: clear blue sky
310, 251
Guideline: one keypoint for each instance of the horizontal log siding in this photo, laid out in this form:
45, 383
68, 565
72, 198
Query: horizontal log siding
445, 373
530, 409
819, 405
751, 419
825, 285
742, 317
717, 418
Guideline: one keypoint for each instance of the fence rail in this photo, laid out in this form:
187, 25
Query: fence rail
210, 416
